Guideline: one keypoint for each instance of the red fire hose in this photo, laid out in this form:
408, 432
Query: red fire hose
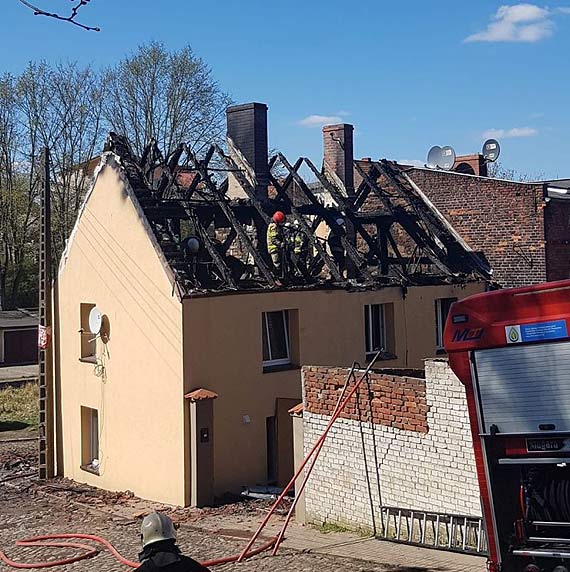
51, 540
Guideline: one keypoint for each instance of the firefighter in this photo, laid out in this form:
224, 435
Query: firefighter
160, 552
299, 245
335, 244
276, 241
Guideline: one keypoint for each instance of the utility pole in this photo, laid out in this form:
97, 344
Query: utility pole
46, 425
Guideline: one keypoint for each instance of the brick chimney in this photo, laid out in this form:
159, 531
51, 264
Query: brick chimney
471, 165
247, 128
338, 152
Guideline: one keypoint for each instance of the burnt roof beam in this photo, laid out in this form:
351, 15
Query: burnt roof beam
222, 201
315, 243
343, 204
409, 225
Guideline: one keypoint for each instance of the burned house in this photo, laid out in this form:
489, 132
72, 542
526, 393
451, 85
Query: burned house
185, 395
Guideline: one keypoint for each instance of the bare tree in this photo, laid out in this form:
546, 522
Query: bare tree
61, 108
18, 205
168, 96
499, 171
72, 18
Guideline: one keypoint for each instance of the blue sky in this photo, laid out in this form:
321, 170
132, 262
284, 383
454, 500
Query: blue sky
407, 74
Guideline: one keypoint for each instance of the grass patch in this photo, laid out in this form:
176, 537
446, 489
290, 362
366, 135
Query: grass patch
19, 407
330, 527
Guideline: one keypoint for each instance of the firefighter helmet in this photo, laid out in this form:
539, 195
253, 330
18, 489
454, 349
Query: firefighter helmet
156, 527
278, 217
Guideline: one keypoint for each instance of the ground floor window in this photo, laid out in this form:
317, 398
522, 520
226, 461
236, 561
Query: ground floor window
442, 307
90, 459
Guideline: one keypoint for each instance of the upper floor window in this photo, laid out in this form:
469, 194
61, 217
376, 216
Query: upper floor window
275, 338
442, 307
375, 328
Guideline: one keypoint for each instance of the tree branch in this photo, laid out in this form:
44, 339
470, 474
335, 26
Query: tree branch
71, 18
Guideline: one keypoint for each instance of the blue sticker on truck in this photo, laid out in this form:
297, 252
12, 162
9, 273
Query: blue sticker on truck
518, 333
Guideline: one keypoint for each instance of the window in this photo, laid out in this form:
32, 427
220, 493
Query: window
374, 328
442, 306
90, 440
88, 339
275, 338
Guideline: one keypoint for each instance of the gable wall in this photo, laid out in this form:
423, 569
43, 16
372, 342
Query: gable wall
112, 263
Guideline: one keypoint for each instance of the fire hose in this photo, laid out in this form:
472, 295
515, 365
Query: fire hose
53, 540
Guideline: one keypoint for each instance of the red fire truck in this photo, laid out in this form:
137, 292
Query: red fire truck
511, 349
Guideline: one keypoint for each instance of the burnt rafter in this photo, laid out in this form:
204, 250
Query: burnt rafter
218, 199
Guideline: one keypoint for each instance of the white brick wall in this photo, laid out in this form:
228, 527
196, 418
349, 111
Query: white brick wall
433, 471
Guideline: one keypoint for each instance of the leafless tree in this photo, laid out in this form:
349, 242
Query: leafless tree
72, 18
168, 96
499, 171
62, 109
18, 203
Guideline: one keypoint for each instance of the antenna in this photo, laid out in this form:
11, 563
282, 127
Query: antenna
95, 321
441, 157
433, 157
447, 159
491, 150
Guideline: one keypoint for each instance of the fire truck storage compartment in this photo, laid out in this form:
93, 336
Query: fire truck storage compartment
523, 389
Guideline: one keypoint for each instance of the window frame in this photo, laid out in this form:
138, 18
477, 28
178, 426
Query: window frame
287, 334
90, 424
86, 335
370, 352
440, 320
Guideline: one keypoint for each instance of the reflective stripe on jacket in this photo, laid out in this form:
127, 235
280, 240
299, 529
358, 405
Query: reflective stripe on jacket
274, 237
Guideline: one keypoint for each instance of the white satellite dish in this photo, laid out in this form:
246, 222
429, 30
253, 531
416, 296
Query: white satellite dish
95, 321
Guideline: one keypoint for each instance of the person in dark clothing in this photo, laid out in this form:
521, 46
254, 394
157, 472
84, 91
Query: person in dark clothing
160, 553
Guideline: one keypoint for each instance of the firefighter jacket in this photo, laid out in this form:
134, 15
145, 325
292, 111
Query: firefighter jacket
164, 556
274, 238
298, 242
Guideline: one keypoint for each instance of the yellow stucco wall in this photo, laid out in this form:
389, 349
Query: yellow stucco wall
112, 263
222, 336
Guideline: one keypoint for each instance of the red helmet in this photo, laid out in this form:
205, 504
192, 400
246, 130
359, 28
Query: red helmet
278, 217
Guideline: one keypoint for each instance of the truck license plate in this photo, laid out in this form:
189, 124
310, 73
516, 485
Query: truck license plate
545, 445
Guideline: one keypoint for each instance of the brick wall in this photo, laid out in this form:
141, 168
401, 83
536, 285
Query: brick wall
502, 219
363, 464
557, 223
389, 400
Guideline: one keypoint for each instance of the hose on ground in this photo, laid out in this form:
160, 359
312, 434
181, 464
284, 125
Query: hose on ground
52, 540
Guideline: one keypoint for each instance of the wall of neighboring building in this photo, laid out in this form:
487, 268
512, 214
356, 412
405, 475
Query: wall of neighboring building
139, 396
223, 353
503, 219
407, 447
557, 225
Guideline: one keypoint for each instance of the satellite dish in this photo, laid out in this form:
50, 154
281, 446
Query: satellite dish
447, 159
491, 150
433, 157
95, 321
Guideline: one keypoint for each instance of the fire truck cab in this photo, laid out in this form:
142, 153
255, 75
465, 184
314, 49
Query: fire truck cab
511, 350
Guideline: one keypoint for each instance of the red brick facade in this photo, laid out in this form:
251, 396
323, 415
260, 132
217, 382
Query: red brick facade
503, 220
394, 401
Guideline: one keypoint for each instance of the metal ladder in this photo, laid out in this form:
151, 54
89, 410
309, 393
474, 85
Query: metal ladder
457, 533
